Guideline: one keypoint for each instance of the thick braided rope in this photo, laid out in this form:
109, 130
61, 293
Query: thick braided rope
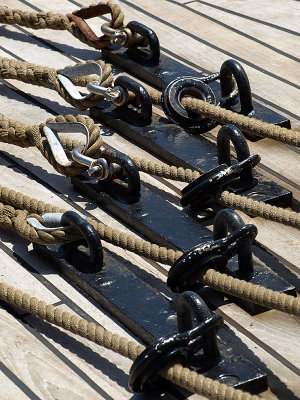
219, 281
48, 20
20, 134
44, 76
251, 207
245, 124
165, 170
259, 209
177, 374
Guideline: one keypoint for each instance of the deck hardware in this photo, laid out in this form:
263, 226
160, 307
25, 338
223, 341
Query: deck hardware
51, 129
114, 167
181, 346
141, 106
116, 36
239, 178
154, 316
94, 10
65, 75
229, 69
195, 87
88, 259
169, 70
115, 94
151, 54
179, 147
215, 181
219, 254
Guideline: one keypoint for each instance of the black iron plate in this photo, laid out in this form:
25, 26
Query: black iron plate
164, 224
117, 289
178, 147
169, 69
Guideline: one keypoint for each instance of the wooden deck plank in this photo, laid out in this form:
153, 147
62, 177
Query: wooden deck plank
259, 333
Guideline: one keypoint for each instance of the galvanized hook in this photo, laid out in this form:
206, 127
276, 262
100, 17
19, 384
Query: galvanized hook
65, 75
51, 129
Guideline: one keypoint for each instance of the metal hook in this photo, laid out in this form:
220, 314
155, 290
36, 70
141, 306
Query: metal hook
117, 94
51, 129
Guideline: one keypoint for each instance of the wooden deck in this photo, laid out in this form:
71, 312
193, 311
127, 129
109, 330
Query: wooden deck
39, 361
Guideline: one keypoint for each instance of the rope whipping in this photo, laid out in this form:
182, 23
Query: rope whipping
175, 373
21, 205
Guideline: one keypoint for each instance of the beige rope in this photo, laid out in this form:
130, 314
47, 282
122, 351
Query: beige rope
248, 125
222, 282
20, 134
48, 20
177, 374
44, 76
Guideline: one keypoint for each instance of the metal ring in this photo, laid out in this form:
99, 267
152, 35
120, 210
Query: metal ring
181, 345
141, 56
175, 111
229, 69
132, 186
227, 134
190, 307
91, 236
142, 96
215, 253
213, 182
228, 220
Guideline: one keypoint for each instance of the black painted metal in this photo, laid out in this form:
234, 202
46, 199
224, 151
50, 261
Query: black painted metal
94, 263
219, 254
163, 223
169, 69
144, 310
149, 55
178, 147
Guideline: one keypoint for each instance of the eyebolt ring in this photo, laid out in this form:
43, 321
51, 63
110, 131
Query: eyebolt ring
141, 56
141, 93
175, 111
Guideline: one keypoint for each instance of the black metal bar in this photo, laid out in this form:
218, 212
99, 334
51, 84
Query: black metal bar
178, 147
169, 69
146, 312
165, 225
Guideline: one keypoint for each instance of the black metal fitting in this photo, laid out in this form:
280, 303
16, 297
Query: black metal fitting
90, 261
125, 180
175, 111
141, 100
181, 346
184, 273
215, 181
150, 55
233, 69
